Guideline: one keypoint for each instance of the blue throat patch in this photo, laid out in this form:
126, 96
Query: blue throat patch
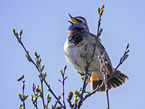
75, 25
77, 37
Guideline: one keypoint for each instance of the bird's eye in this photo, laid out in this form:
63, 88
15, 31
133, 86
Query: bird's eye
79, 21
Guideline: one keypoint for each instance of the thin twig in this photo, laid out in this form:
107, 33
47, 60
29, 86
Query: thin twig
38, 68
103, 64
23, 93
50, 90
63, 81
108, 104
85, 82
42, 94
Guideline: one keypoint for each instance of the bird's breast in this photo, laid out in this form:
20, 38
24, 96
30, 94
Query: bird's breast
75, 37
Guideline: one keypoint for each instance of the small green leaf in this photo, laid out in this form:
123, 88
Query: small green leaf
125, 57
127, 51
65, 78
102, 6
82, 77
20, 96
35, 53
33, 85
37, 96
16, 35
75, 101
98, 9
25, 96
65, 67
101, 12
14, 31
100, 32
76, 92
38, 60
42, 67
47, 96
45, 74
127, 45
21, 105
28, 57
49, 99
39, 56
20, 32
59, 97
32, 96
61, 73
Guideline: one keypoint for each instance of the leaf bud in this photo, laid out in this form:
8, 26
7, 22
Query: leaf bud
16, 35
65, 67
75, 101
127, 45
28, 57
76, 92
20, 32
42, 68
14, 31
20, 96
102, 6
70, 95
82, 77
98, 9
20, 78
125, 57
37, 89
101, 12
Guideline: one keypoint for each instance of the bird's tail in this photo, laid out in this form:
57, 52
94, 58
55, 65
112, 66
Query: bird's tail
114, 80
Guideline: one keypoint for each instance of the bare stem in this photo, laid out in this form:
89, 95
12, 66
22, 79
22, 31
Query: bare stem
50, 90
87, 76
63, 92
42, 94
23, 93
107, 94
40, 72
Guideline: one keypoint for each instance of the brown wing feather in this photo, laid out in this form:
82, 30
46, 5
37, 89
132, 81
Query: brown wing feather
102, 50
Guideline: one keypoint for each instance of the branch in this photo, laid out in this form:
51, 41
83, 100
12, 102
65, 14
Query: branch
37, 65
22, 96
63, 81
103, 64
88, 62
124, 57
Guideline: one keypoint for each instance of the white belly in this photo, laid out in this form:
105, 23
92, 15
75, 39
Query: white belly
75, 56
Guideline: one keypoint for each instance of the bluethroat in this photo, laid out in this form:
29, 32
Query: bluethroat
74, 48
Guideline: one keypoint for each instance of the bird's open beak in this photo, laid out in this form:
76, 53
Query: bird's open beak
73, 20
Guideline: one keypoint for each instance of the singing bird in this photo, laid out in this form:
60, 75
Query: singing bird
74, 48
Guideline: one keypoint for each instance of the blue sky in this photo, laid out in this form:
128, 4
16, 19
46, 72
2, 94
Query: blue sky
45, 26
